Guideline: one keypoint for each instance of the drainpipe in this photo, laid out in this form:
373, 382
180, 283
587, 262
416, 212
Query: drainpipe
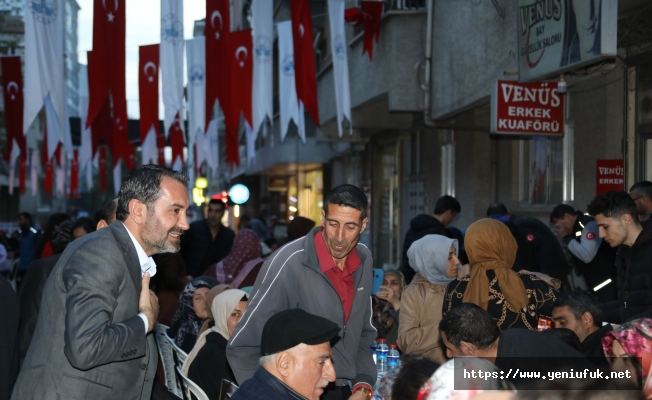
429, 31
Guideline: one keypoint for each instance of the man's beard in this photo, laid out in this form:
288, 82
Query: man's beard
150, 236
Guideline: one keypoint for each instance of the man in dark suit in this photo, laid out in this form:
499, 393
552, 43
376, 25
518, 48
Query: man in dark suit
92, 338
31, 289
9, 315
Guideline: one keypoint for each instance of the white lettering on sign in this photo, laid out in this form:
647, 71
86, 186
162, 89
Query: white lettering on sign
611, 171
535, 125
528, 112
607, 181
542, 95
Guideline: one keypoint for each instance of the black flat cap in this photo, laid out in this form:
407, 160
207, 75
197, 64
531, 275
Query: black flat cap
290, 328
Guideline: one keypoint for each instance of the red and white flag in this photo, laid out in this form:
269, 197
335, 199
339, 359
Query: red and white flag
218, 28
305, 73
172, 60
340, 63
12, 90
262, 15
177, 142
74, 174
148, 99
86, 149
44, 65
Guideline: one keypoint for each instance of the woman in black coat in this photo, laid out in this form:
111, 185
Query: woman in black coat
207, 365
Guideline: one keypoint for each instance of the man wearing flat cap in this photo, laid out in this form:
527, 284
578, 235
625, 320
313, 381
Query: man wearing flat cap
326, 273
295, 360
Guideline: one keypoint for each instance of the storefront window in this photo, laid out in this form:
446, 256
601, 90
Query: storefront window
310, 192
542, 171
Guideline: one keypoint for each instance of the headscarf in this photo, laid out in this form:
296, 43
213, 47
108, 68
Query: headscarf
62, 236
441, 386
636, 339
221, 308
429, 257
382, 317
210, 296
246, 247
185, 322
491, 246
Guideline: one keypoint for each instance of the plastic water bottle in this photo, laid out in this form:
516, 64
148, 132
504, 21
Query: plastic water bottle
373, 347
393, 357
381, 357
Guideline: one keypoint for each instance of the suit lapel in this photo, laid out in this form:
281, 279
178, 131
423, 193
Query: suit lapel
128, 250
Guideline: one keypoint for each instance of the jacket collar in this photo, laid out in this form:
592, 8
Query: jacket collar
277, 385
121, 235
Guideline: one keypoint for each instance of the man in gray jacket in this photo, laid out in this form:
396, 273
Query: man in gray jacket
93, 336
326, 273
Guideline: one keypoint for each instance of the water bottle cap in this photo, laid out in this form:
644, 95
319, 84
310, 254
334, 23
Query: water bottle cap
381, 340
392, 346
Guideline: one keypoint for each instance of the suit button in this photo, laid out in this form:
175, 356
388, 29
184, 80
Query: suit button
143, 366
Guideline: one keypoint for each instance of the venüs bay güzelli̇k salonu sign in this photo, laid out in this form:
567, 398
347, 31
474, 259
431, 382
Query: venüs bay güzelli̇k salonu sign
555, 36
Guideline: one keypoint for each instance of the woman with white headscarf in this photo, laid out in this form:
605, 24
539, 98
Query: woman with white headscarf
434, 258
207, 365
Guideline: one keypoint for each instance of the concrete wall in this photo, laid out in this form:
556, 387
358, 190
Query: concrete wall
472, 47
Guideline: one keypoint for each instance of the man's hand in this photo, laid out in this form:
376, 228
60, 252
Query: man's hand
148, 303
358, 395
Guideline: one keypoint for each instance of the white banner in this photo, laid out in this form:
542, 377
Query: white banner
172, 59
211, 146
117, 178
196, 56
340, 63
263, 24
251, 144
60, 175
44, 66
289, 104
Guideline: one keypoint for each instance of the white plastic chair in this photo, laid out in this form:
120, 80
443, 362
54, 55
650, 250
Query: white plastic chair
191, 388
179, 354
227, 389
167, 358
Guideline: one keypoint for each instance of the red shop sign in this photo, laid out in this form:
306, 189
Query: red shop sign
609, 176
526, 108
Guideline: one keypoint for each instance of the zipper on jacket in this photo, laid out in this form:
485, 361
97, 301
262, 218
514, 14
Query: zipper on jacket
341, 305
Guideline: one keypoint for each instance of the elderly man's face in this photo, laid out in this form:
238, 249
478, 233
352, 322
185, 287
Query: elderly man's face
166, 220
310, 369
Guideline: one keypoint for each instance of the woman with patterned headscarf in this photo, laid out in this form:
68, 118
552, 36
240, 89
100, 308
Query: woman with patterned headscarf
629, 349
387, 305
514, 299
244, 256
191, 313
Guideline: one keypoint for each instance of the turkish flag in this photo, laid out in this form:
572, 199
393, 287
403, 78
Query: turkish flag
241, 68
102, 168
108, 69
12, 90
74, 175
305, 72
218, 28
177, 141
372, 12
148, 89
160, 145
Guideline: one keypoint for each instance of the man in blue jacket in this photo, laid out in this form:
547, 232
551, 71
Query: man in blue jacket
326, 273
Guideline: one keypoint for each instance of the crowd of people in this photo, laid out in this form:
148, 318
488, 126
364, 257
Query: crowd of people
301, 319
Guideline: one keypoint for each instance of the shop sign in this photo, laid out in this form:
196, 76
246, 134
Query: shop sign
610, 175
555, 36
526, 108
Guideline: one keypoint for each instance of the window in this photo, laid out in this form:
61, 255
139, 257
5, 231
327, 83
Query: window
448, 166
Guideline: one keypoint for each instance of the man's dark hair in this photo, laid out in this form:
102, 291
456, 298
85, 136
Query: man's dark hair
27, 215
347, 196
414, 372
497, 209
107, 213
562, 209
144, 185
469, 323
54, 221
565, 335
446, 203
579, 303
217, 201
644, 188
614, 205
85, 223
